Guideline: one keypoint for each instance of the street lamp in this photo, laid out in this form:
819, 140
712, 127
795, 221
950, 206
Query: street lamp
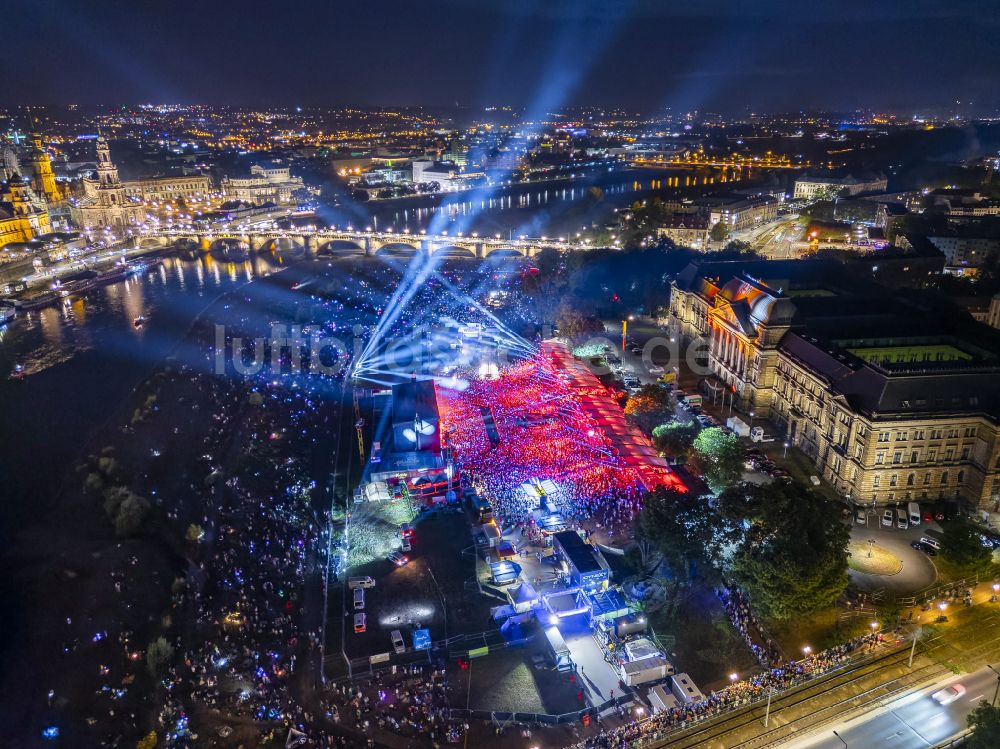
840, 737
733, 677
807, 650
874, 626
785, 453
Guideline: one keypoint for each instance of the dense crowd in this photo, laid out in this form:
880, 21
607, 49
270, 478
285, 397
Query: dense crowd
641, 733
764, 649
543, 434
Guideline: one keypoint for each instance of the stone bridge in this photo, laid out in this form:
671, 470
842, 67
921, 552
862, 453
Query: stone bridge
357, 242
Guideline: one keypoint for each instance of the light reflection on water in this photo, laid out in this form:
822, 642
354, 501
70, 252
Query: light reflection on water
169, 295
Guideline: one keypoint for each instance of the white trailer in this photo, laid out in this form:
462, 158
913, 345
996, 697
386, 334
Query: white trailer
644, 670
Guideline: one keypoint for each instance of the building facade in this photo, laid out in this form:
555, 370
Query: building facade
811, 188
686, 230
22, 217
892, 417
105, 203
270, 181
163, 189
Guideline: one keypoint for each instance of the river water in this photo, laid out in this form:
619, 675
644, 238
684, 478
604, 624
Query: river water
82, 359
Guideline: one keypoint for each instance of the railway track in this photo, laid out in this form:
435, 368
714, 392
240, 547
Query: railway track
714, 732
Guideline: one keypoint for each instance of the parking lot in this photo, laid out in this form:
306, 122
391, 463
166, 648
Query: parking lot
917, 570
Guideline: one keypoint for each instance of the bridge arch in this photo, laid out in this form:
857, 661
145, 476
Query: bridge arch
339, 247
228, 248
454, 250
503, 252
397, 249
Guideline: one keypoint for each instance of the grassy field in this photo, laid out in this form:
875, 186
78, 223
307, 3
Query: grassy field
706, 645
819, 631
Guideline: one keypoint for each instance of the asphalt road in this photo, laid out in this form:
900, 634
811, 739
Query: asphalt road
912, 722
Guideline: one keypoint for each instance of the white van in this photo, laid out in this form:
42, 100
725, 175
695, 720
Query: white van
913, 510
360, 582
359, 599
901, 519
932, 542
397, 641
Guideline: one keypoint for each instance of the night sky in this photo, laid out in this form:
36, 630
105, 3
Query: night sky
722, 55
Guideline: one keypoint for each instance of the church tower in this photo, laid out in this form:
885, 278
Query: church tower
20, 217
43, 178
110, 191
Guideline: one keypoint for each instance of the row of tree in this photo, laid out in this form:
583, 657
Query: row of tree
782, 543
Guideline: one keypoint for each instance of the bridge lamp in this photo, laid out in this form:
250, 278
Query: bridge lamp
496, 236
807, 650
733, 677
423, 231
460, 234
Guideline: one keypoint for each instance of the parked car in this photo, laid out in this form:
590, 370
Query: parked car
925, 548
861, 515
887, 518
360, 623
397, 641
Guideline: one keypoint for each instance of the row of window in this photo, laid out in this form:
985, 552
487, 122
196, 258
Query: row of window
932, 455
902, 435
912, 478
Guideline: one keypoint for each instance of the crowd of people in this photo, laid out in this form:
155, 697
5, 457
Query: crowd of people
543, 434
640, 733
412, 702
764, 649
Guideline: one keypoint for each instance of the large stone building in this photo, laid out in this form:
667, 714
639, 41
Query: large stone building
887, 403
737, 212
23, 216
43, 179
809, 188
162, 189
686, 230
269, 181
105, 202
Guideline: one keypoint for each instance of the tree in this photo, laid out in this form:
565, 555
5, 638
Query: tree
962, 546
738, 247
648, 407
676, 439
158, 655
692, 537
792, 559
573, 323
148, 741
548, 261
985, 724
719, 232
718, 456
131, 514
194, 533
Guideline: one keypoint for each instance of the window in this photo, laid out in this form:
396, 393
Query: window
880, 457
900, 436
919, 433
931, 455
970, 431
914, 456
944, 478
897, 456
965, 453
949, 454
892, 480
877, 481
910, 479
927, 479
961, 476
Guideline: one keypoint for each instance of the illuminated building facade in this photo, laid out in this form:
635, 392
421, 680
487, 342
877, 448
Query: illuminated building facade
43, 179
163, 189
887, 409
21, 216
105, 202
